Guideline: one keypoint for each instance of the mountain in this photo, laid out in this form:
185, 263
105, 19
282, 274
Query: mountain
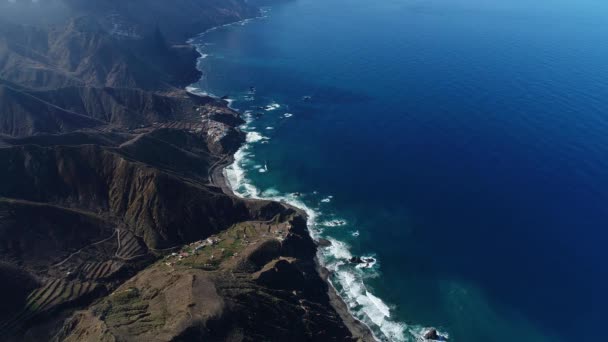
115, 220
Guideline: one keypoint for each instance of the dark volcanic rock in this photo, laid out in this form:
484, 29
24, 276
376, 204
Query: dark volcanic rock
324, 243
283, 274
431, 334
356, 260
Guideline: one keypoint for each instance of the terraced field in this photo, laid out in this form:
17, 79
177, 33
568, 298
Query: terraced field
45, 300
77, 277
131, 309
129, 246
102, 259
100, 270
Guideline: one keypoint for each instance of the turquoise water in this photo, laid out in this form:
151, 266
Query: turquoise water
462, 144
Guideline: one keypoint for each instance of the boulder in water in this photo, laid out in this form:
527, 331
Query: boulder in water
324, 243
433, 335
356, 260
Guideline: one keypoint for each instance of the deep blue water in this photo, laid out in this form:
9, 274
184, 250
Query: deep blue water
466, 141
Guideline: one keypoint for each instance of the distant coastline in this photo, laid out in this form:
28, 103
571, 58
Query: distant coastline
218, 177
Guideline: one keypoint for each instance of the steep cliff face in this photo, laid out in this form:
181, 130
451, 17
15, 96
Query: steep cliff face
22, 114
158, 189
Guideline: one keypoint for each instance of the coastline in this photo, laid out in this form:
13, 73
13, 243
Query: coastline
218, 178
358, 329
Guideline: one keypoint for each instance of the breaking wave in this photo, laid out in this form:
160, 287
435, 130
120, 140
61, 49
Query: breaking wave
348, 278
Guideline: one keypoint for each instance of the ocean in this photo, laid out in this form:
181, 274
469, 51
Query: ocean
460, 146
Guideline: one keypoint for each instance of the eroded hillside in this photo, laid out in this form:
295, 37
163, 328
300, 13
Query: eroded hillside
114, 221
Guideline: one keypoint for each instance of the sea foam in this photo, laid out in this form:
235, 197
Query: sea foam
253, 137
362, 303
334, 223
272, 106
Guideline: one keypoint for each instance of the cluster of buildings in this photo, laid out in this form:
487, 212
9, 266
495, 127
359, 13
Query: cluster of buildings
192, 249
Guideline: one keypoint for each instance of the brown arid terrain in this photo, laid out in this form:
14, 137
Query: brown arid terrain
115, 223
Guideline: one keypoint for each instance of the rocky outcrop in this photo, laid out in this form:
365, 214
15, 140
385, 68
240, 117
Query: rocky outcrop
209, 295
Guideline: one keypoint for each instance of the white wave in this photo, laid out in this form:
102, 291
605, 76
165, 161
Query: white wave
235, 175
355, 233
367, 307
339, 250
262, 170
253, 137
271, 192
272, 106
364, 305
369, 263
204, 55
196, 91
230, 102
370, 307
334, 223
269, 128
287, 115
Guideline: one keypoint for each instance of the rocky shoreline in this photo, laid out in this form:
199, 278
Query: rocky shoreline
357, 328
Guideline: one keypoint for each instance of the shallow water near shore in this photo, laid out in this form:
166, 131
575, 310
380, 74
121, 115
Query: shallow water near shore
462, 145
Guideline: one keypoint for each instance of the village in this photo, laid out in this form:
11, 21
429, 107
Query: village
190, 250
209, 253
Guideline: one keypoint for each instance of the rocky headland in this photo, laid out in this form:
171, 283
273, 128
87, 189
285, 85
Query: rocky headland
115, 224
